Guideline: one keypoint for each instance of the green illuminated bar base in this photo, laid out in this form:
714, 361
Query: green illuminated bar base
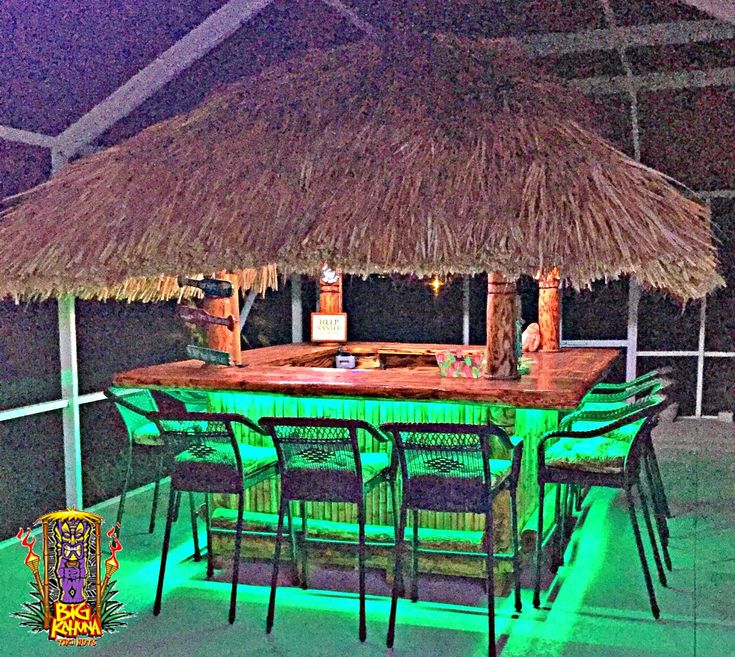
392, 382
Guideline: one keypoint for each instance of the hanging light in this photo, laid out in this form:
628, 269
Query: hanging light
436, 285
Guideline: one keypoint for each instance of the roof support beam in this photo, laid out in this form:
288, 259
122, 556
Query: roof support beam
26, 136
655, 34
670, 80
722, 9
352, 16
197, 43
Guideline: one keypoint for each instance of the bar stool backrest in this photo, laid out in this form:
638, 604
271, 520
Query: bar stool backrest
133, 407
319, 458
447, 467
587, 420
208, 456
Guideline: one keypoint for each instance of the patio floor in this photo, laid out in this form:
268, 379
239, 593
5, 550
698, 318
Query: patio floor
599, 605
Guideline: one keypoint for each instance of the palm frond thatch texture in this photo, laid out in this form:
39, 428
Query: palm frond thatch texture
417, 155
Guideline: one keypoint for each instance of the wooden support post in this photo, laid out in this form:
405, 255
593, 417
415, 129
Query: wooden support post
502, 362
221, 337
330, 291
549, 309
235, 345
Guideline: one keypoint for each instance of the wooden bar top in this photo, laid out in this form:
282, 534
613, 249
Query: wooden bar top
558, 380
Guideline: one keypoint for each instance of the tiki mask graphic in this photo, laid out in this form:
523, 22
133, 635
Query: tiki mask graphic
72, 542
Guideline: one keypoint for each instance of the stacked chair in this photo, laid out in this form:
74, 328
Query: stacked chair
454, 468
609, 447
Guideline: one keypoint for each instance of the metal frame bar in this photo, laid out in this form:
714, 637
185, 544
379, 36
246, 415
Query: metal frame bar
297, 315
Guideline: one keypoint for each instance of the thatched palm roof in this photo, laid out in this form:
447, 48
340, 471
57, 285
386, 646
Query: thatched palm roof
420, 156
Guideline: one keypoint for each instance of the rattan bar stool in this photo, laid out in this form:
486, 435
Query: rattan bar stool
454, 468
211, 460
134, 407
320, 460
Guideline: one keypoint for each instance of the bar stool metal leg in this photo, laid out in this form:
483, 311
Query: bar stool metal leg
651, 534
539, 546
164, 552
516, 549
641, 553
156, 488
361, 566
295, 579
208, 523
651, 454
236, 558
194, 532
558, 530
276, 560
489, 565
304, 549
123, 494
659, 514
657, 500
402, 516
415, 557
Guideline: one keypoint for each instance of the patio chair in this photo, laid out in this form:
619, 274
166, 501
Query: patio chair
320, 460
606, 388
454, 468
142, 433
609, 455
211, 460
613, 396
587, 420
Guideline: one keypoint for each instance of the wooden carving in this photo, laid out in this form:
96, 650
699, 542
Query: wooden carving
502, 361
221, 337
549, 309
330, 291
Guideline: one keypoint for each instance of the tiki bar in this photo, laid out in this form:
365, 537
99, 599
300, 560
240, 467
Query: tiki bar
403, 155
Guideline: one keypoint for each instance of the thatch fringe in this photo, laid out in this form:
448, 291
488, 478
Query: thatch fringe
145, 289
420, 156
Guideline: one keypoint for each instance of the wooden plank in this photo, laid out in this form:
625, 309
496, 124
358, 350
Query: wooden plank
209, 356
558, 380
198, 316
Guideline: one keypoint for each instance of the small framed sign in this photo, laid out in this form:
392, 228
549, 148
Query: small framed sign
329, 327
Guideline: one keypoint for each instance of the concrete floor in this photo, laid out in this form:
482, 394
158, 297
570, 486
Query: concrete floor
596, 606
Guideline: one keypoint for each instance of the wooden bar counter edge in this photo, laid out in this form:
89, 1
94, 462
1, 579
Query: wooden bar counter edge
558, 380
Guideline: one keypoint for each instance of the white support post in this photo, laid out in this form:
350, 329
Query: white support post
631, 355
70, 394
297, 317
700, 357
69, 383
466, 310
247, 307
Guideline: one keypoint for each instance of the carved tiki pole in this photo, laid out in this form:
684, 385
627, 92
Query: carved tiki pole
502, 362
549, 308
220, 337
330, 291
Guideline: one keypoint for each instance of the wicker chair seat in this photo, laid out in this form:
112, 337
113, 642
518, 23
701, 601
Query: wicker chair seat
314, 458
446, 466
212, 467
147, 434
600, 454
